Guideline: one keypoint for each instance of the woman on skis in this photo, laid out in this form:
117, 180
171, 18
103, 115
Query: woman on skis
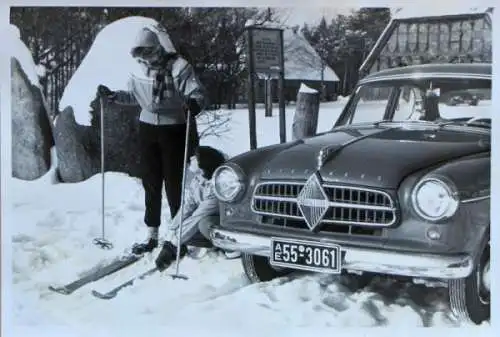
166, 90
201, 209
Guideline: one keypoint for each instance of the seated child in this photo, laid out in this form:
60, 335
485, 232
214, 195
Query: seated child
201, 207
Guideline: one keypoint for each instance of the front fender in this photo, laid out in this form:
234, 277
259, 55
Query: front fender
471, 176
468, 228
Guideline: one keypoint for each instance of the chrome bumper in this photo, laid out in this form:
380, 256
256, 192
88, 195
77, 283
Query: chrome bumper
360, 259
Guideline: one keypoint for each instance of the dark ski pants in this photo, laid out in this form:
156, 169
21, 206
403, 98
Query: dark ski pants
162, 158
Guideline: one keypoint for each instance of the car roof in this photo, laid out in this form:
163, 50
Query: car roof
442, 70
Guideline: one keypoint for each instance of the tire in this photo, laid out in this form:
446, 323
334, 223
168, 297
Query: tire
358, 282
469, 301
258, 269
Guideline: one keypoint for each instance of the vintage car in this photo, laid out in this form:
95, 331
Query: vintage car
395, 188
463, 98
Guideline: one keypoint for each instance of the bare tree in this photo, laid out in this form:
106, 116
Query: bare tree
214, 123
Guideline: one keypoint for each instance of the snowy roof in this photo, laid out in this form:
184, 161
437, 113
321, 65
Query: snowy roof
419, 10
302, 62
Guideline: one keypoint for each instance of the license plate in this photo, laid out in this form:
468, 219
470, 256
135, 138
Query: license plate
305, 255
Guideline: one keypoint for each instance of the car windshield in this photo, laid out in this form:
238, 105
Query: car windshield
441, 101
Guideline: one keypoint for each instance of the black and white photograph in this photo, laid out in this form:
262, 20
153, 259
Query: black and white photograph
218, 168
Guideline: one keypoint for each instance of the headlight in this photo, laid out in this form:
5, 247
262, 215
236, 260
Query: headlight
228, 183
433, 199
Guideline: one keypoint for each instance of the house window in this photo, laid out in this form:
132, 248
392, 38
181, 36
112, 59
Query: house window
402, 37
466, 36
444, 38
412, 37
455, 38
433, 40
393, 42
423, 37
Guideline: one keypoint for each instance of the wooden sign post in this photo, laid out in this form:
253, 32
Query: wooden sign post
265, 56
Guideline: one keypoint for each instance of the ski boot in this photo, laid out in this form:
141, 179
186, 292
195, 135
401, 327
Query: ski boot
149, 245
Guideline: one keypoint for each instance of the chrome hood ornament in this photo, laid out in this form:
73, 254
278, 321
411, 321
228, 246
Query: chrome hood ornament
325, 155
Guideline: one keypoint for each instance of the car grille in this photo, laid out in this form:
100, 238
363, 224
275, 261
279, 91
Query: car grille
352, 206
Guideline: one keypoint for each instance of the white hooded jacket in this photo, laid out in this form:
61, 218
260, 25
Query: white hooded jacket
200, 202
180, 77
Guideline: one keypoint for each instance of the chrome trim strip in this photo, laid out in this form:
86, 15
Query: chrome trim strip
271, 198
424, 75
475, 199
332, 203
360, 259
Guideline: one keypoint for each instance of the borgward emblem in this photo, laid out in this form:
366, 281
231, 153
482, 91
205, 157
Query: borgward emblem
313, 202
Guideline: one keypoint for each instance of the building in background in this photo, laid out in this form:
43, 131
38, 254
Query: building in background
419, 34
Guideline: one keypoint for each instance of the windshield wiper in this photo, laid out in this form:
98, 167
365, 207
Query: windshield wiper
476, 123
479, 124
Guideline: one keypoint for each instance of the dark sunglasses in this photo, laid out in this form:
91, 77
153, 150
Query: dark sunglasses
145, 52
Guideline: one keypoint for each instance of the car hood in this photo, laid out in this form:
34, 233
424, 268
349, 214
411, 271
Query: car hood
373, 156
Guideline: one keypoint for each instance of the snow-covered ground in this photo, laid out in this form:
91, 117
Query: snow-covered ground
52, 243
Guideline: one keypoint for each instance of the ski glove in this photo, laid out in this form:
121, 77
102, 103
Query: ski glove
167, 255
193, 106
104, 91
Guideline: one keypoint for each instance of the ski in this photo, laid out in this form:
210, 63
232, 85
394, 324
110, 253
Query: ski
101, 272
113, 292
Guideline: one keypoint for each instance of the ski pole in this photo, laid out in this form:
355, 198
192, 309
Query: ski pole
176, 275
102, 242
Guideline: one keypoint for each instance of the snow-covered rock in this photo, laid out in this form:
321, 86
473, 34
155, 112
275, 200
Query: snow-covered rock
22, 54
108, 62
72, 144
31, 130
